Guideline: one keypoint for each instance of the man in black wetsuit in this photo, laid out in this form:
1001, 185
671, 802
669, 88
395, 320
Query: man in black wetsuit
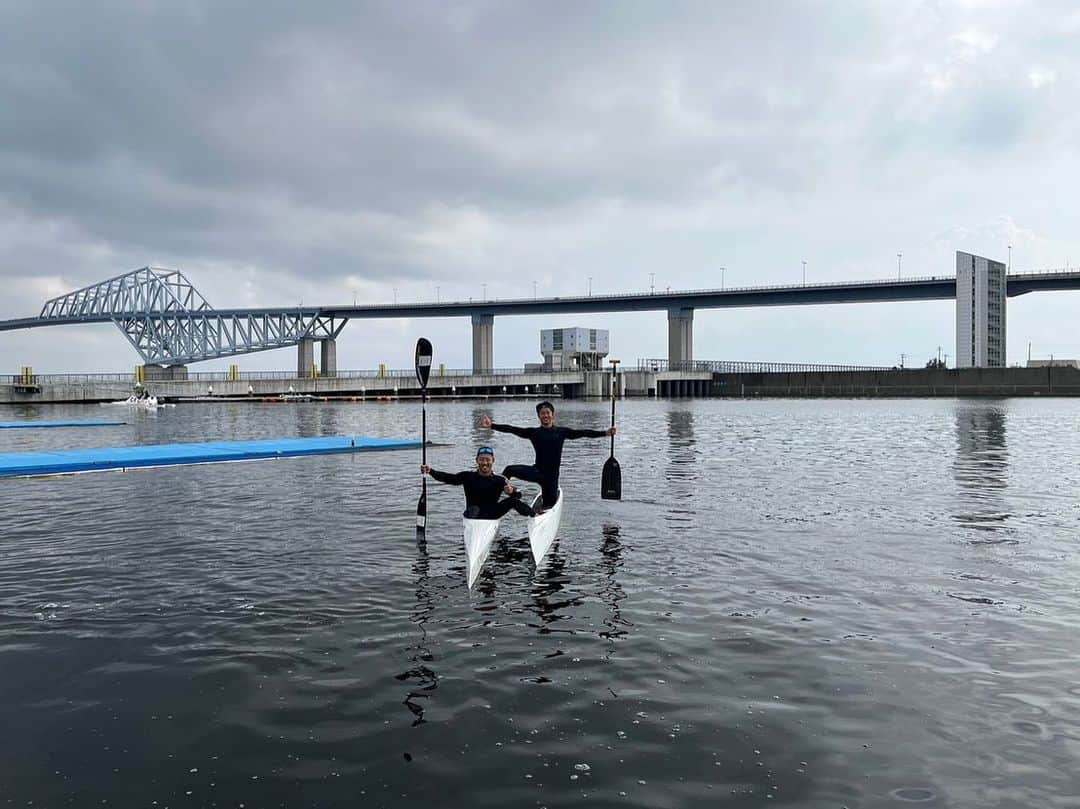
482, 489
547, 440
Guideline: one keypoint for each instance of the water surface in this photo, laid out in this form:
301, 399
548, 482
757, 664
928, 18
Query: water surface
803, 603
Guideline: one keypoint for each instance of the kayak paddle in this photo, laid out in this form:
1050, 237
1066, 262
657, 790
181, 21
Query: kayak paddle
611, 480
423, 368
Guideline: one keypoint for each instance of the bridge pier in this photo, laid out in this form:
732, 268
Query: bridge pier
305, 357
680, 336
329, 357
483, 343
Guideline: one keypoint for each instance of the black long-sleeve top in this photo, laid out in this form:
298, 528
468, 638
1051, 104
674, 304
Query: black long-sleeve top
548, 442
480, 490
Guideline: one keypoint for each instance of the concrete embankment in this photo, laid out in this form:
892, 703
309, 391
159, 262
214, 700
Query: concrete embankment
915, 382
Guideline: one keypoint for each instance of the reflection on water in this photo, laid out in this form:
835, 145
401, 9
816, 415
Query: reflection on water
682, 470
611, 592
421, 674
981, 466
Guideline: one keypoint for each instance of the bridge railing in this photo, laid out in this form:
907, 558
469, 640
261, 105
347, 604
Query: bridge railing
731, 367
227, 376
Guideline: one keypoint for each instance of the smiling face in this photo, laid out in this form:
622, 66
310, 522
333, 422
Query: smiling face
546, 416
484, 464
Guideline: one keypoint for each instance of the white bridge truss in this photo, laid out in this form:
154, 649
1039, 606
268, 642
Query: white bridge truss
169, 322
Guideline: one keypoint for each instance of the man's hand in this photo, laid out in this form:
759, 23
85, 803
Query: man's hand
425, 469
611, 431
485, 422
508, 488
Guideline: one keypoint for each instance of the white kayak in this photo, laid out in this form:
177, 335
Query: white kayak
479, 534
544, 527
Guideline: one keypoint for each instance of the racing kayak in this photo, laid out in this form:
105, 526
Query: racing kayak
544, 527
479, 534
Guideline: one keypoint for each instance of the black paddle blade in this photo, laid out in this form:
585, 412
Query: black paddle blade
423, 361
421, 511
611, 480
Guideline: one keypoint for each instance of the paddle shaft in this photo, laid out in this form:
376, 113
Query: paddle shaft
614, 392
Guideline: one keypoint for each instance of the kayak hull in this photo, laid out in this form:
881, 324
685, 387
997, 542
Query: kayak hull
479, 534
544, 527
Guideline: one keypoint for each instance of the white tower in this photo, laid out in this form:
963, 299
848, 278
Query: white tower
980, 312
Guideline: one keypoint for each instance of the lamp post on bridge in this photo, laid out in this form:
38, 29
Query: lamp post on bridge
899, 256
652, 286
804, 272
722, 276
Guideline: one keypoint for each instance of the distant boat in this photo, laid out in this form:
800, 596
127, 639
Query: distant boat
138, 402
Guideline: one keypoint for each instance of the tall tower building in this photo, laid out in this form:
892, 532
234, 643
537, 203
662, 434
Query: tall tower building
980, 312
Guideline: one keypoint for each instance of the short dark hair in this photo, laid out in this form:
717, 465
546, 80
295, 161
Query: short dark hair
542, 405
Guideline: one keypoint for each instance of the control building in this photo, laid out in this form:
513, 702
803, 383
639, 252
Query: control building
980, 312
572, 349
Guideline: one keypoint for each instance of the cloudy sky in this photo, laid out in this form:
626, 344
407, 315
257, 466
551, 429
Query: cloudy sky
278, 152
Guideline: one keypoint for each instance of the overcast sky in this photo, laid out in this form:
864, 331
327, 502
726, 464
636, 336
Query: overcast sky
278, 152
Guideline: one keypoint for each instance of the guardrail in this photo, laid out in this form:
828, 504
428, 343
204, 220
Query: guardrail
730, 367
228, 376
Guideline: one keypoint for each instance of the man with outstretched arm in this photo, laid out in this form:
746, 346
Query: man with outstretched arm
547, 441
482, 489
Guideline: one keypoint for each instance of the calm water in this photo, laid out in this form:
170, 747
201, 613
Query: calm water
797, 603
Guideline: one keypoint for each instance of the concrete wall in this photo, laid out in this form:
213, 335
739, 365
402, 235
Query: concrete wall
568, 384
914, 382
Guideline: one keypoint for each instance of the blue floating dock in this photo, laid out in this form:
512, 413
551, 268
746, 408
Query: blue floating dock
34, 425
68, 461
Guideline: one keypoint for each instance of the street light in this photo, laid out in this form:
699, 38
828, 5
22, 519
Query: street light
590, 286
898, 257
534, 290
804, 272
1010, 259
652, 286
722, 277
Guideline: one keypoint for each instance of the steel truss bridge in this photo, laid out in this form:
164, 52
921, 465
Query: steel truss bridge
168, 322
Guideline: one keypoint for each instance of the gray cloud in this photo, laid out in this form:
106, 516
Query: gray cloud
413, 145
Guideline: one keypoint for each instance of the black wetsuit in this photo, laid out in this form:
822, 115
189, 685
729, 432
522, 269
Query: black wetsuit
482, 494
548, 443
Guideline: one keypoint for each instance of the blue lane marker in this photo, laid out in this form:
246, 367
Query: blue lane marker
59, 462
33, 425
